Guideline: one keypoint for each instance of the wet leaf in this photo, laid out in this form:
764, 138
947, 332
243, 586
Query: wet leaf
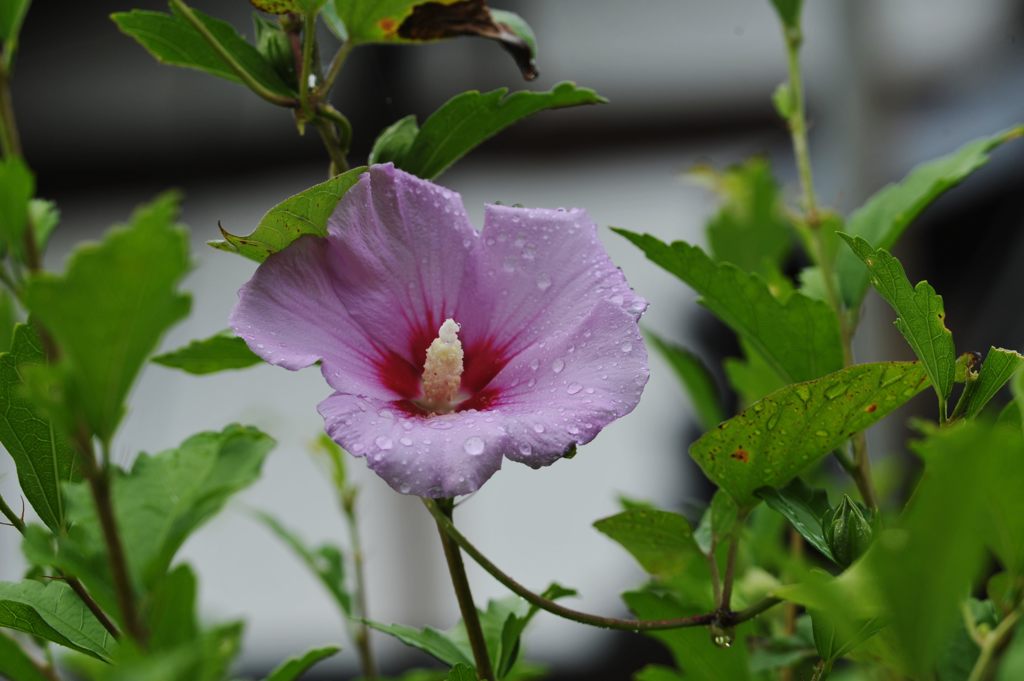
798, 338
890, 211
922, 318
655, 672
661, 542
773, 440
219, 352
696, 379
469, 119
305, 213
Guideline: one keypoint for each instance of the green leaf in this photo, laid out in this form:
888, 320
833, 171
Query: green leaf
922, 318
16, 665
468, 119
691, 647
752, 377
654, 672
429, 640
170, 612
782, 100
661, 542
325, 562
395, 141
506, 648
295, 667
718, 522
772, 441
17, 185
12, 14
53, 612
1012, 666
42, 455
789, 12
833, 643
750, 230
462, 672
110, 308
803, 507
277, 6
8, 320
889, 212
275, 46
219, 352
417, 21
173, 40
696, 379
43, 216
999, 367
798, 337
164, 498
305, 213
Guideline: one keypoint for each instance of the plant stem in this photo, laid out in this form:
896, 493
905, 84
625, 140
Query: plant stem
704, 619
730, 573
362, 633
333, 145
9, 132
992, 646
308, 53
333, 70
821, 670
99, 484
229, 59
798, 122
470, 617
13, 518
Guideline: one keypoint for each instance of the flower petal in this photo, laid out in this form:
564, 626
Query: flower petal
438, 457
401, 246
290, 315
564, 390
537, 272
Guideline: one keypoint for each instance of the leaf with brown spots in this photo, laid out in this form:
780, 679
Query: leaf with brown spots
776, 438
415, 21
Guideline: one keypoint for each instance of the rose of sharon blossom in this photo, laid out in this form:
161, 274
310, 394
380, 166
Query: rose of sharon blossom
450, 349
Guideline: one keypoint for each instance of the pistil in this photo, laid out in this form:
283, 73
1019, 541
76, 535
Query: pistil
442, 370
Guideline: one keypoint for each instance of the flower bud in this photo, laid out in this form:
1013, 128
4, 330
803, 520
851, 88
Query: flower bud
847, 531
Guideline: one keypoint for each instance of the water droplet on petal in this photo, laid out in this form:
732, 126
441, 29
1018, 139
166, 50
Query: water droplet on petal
384, 442
474, 446
626, 347
407, 441
574, 388
538, 428
558, 365
543, 282
525, 449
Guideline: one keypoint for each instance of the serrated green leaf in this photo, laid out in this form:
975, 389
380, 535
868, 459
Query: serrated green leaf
691, 647
395, 141
999, 367
661, 542
890, 211
468, 119
43, 456
173, 40
921, 316
750, 230
165, 497
798, 337
170, 612
53, 612
696, 379
751, 377
417, 21
773, 440
17, 185
462, 672
305, 213
295, 667
789, 11
325, 562
112, 305
16, 665
803, 507
219, 352
429, 640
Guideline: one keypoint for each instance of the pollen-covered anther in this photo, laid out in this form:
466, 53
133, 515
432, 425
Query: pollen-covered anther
442, 370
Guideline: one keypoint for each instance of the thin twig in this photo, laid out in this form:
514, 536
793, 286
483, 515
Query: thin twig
722, 618
993, 645
362, 634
